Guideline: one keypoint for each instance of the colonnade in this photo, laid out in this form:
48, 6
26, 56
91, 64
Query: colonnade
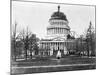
51, 46
57, 31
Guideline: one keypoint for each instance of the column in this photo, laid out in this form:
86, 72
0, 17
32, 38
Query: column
42, 45
50, 31
61, 45
53, 30
57, 31
57, 45
60, 30
47, 31
50, 45
54, 46
46, 45
49, 48
65, 50
64, 31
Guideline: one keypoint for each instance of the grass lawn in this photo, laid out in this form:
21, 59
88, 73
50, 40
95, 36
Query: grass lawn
17, 67
54, 61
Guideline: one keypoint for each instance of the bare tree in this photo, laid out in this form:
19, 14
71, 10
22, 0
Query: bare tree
24, 37
13, 42
33, 44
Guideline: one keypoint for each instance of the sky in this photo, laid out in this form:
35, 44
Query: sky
36, 16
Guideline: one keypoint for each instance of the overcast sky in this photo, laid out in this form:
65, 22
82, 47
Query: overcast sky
37, 15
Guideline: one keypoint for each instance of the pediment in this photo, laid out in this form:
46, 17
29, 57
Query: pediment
58, 39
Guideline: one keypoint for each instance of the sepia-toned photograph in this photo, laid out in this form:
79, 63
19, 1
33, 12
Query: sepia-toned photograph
52, 37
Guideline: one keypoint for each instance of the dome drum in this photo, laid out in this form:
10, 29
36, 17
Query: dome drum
57, 31
50, 27
58, 22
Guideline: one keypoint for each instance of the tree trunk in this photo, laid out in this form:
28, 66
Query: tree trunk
31, 54
88, 49
26, 54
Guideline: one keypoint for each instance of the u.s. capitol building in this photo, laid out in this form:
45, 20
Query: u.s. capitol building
58, 39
